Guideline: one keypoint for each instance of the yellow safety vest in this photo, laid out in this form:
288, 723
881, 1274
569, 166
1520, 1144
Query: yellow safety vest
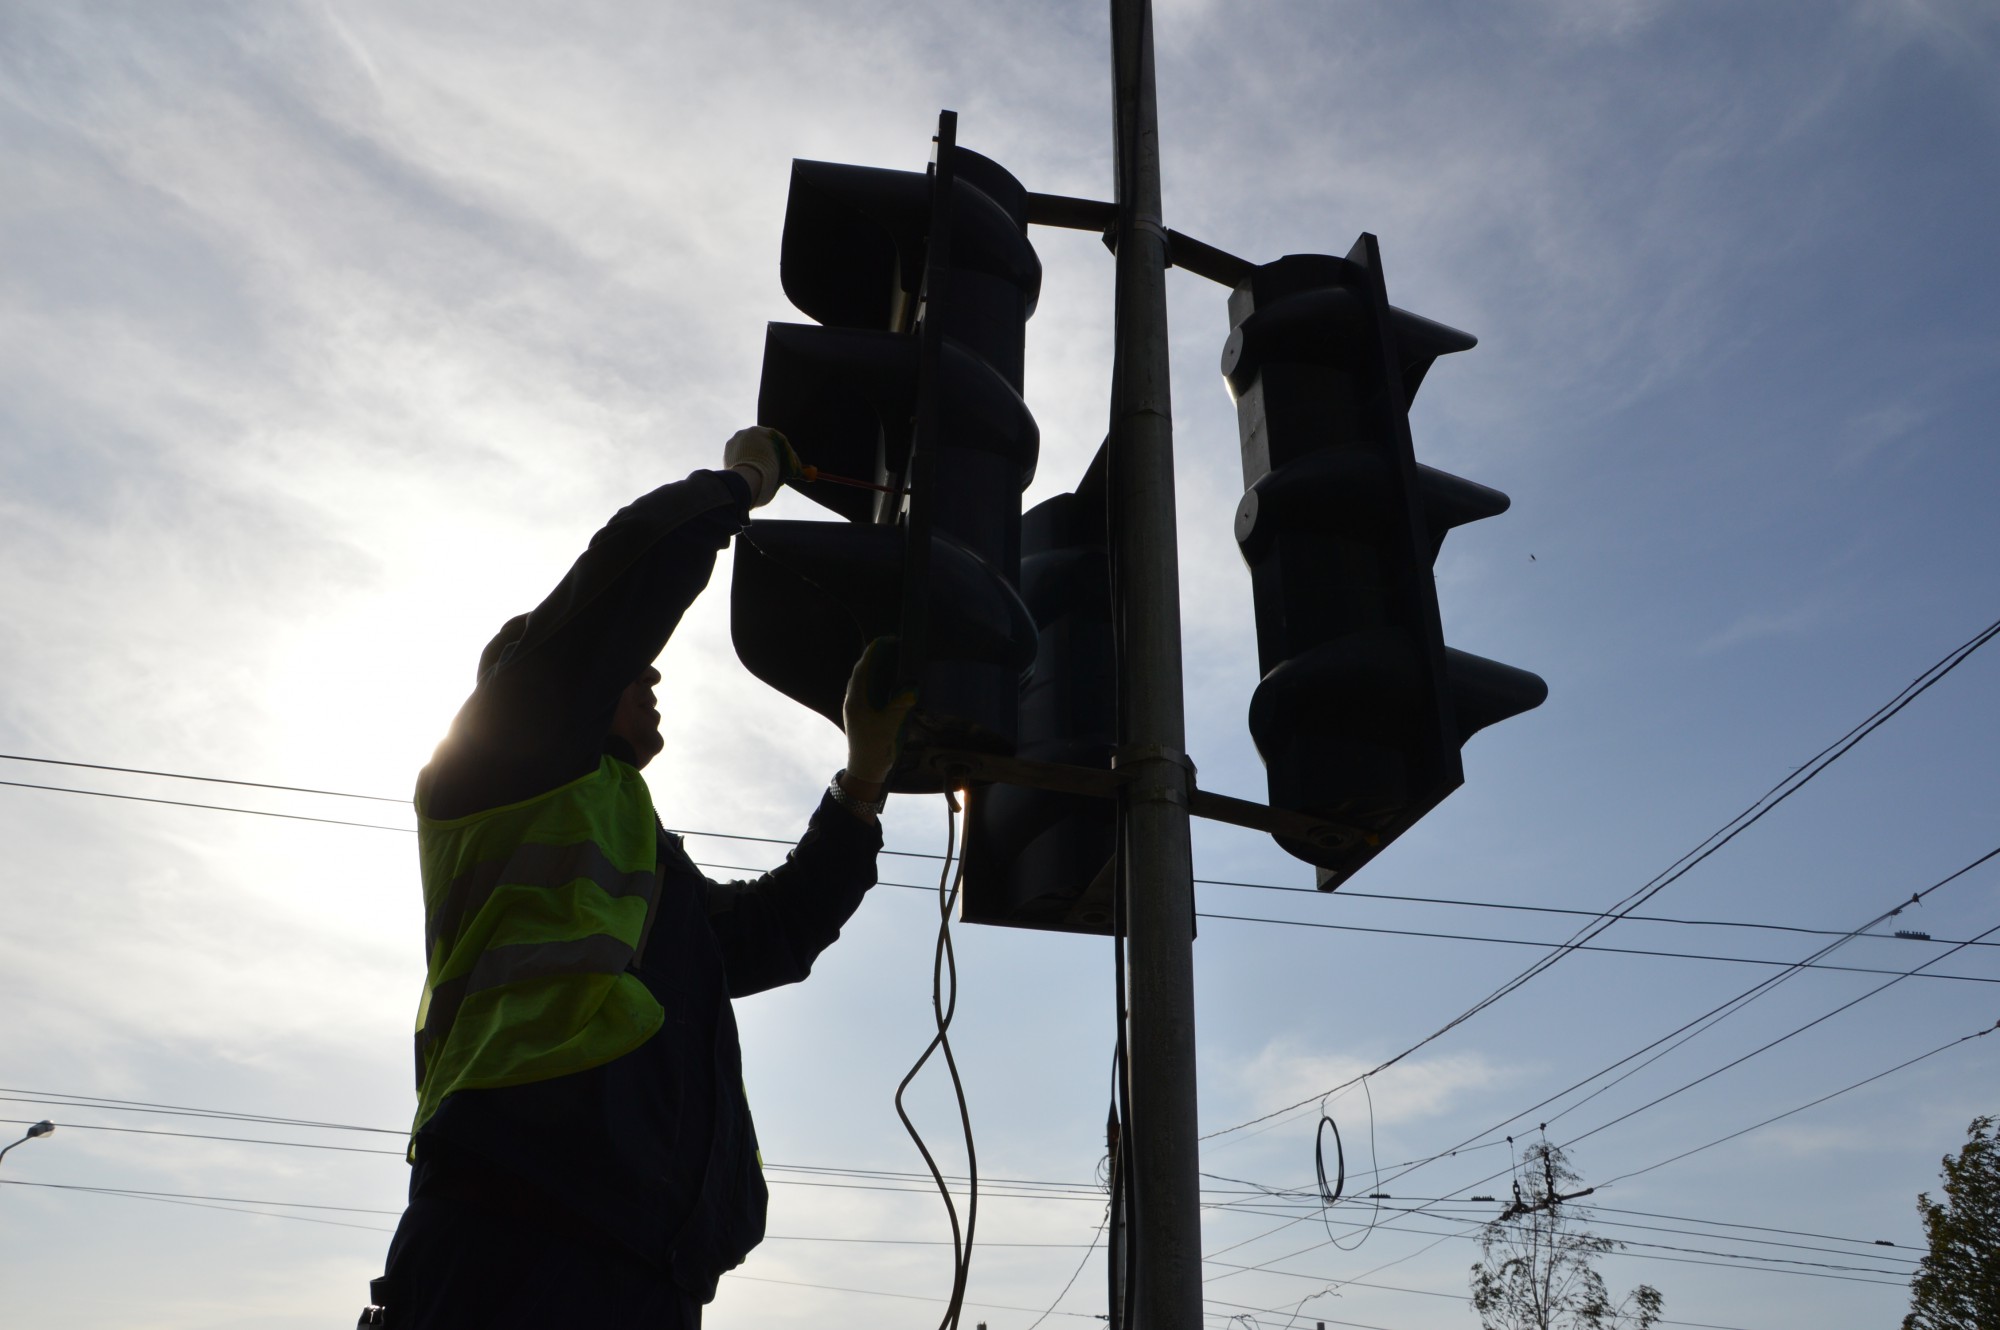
533, 915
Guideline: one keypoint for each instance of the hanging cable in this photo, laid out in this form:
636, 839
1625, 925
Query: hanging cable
944, 1004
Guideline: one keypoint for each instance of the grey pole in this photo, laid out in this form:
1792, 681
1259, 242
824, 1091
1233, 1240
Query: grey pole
1156, 859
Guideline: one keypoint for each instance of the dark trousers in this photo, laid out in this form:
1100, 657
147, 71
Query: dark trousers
455, 1264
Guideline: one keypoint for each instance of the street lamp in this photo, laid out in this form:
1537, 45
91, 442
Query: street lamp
42, 1128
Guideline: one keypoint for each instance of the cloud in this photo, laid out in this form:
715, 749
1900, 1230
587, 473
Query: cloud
1284, 1072
1756, 625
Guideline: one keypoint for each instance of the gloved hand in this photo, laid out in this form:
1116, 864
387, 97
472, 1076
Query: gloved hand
872, 717
763, 457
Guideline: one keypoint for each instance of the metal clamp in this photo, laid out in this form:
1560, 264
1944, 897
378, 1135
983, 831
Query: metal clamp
1133, 754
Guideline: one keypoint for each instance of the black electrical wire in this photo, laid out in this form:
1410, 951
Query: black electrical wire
1348, 893
1822, 1099
1202, 914
1344, 894
238, 1140
192, 1196
1429, 1209
1618, 951
68, 1100
1717, 1013
1710, 1023
1089, 1251
210, 780
1433, 1293
1762, 1048
1124, 1200
1797, 780
944, 1004
1525, 942
219, 808
1730, 1260
884, 1293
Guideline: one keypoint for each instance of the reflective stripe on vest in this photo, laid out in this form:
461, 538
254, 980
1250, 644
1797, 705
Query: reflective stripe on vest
532, 866
534, 914
512, 965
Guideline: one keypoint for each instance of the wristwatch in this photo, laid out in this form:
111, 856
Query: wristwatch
852, 804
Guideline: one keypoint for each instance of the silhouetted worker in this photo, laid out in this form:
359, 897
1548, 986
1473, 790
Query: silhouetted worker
583, 1152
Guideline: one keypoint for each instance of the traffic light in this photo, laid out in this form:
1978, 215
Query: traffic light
1362, 708
1040, 858
907, 394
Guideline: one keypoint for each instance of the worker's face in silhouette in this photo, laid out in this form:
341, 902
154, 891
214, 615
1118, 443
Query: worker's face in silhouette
637, 719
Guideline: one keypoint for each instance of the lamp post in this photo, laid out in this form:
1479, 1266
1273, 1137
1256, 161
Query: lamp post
42, 1128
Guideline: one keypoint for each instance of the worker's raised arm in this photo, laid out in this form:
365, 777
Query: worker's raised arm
544, 702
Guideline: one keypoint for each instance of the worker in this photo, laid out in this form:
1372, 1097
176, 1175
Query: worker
583, 1153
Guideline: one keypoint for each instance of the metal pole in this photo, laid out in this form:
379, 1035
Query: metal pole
1155, 856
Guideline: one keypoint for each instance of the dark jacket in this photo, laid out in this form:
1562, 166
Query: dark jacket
656, 1149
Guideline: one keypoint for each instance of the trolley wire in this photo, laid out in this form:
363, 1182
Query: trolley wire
1713, 1016
1791, 784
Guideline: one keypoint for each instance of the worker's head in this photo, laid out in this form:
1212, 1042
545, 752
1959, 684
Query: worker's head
637, 718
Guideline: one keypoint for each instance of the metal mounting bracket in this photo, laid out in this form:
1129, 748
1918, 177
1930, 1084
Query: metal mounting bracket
961, 767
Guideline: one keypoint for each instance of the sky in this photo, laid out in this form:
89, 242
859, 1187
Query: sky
331, 331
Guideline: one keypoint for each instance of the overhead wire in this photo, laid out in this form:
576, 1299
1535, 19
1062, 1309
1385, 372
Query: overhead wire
1348, 893
1618, 951
199, 1136
1203, 914
1468, 1231
884, 1293
1345, 894
1761, 1049
1432, 1207
1714, 1015
211, 780
1430, 1210
1771, 799
1607, 918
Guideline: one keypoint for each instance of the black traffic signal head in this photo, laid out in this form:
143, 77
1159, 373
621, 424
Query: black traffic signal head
1040, 858
1362, 708
911, 386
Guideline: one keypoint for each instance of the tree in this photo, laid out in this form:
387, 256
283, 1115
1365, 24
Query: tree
1957, 1285
1536, 1267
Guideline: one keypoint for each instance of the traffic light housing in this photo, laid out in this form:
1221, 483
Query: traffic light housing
910, 384
1041, 858
1362, 709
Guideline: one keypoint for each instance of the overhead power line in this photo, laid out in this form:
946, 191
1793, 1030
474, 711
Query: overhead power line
209, 780
1348, 893
219, 808
1760, 1049
1344, 894
237, 1140
1910, 1062
1680, 1035
1619, 951
15, 1094
1204, 914
1432, 1207
1797, 780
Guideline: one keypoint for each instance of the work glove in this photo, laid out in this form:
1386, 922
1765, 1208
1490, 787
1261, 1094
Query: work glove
763, 457
873, 713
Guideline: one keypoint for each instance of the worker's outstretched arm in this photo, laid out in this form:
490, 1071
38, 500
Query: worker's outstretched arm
539, 717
